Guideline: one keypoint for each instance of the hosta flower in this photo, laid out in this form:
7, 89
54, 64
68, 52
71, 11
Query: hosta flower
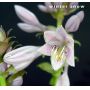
74, 21
60, 46
30, 22
22, 57
63, 80
18, 81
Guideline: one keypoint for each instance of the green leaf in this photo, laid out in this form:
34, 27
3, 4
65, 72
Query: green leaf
77, 42
2, 81
45, 66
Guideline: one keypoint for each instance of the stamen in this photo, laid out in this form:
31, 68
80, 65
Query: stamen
58, 53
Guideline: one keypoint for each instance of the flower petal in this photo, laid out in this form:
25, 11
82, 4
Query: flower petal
29, 28
21, 66
45, 49
17, 82
21, 54
26, 57
20, 50
70, 54
63, 80
26, 15
49, 6
62, 33
43, 8
53, 38
57, 64
80, 15
72, 24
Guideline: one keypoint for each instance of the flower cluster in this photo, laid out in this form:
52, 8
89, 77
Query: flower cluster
59, 43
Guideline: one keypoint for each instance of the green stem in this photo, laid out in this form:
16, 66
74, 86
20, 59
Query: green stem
2, 81
55, 76
60, 19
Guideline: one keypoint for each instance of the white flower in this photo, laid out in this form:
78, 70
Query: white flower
60, 46
17, 82
22, 57
63, 80
31, 23
74, 21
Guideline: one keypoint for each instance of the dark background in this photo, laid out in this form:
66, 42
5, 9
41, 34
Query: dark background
80, 75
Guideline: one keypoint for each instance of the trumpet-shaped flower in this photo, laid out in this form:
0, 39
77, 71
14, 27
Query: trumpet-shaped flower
31, 23
63, 80
22, 57
60, 46
74, 21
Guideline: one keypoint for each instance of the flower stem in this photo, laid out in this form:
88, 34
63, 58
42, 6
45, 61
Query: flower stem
55, 76
2, 81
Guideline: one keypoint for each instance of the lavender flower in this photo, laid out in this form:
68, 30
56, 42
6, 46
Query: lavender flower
30, 22
60, 46
74, 21
22, 57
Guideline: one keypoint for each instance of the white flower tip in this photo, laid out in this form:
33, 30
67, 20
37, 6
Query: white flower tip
17, 7
80, 15
26, 15
42, 8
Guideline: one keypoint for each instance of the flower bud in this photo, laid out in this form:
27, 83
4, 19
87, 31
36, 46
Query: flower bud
17, 82
74, 21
